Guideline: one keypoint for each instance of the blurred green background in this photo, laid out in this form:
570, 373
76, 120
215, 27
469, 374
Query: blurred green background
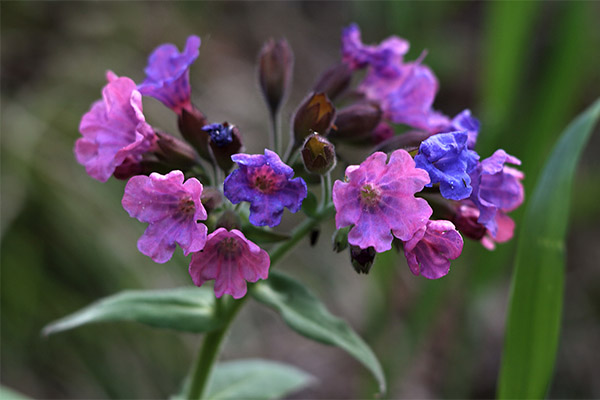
525, 69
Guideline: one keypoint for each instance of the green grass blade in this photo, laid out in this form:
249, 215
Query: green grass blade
535, 306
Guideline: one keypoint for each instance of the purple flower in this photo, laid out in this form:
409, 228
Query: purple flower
172, 209
466, 122
231, 260
378, 199
114, 130
448, 161
266, 182
430, 250
168, 75
496, 187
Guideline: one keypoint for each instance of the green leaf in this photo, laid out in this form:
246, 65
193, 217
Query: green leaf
535, 307
255, 379
305, 314
310, 204
9, 394
261, 235
188, 309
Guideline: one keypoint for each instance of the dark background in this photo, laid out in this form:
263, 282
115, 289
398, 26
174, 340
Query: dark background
525, 69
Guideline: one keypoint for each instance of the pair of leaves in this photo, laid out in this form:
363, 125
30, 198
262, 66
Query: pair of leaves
535, 308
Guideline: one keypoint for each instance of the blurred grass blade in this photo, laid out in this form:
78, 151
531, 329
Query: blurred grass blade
9, 394
255, 379
305, 314
535, 307
188, 309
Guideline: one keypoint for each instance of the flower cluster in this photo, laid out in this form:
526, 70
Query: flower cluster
201, 192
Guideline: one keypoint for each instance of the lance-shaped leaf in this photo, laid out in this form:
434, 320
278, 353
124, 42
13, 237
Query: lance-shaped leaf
187, 309
535, 308
305, 314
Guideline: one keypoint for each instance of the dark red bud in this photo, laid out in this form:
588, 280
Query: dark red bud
334, 81
315, 115
175, 152
211, 199
466, 223
275, 64
362, 259
190, 125
356, 122
318, 155
229, 220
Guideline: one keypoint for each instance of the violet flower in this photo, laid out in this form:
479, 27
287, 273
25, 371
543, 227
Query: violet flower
114, 130
172, 209
168, 75
448, 162
496, 187
231, 260
430, 250
266, 182
378, 199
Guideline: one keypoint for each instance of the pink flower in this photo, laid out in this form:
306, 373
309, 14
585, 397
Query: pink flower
430, 250
172, 209
231, 260
378, 199
114, 129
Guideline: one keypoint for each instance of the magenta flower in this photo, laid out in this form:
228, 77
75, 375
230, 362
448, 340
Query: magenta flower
168, 75
266, 182
172, 209
430, 250
378, 199
114, 130
496, 187
231, 260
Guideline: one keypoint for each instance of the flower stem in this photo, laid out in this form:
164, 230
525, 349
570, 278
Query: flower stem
211, 346
326, 189
275, 132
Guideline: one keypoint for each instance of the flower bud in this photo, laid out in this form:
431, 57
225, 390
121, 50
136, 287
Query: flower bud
340, 239
275, 63
190, 125
318, 155
225, 141
356, 122
229, 220
174, 152
211, 199
315, 114
131, 167
334, 81
466, 223
362, 259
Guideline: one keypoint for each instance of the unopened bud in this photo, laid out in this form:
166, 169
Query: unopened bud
362, 259
315, 114
334, 81
340, 239
225, 141
466, 223
318, 155
229, 220
174, 152
356, 122
132, 166
190, 125
211, 199
275, 65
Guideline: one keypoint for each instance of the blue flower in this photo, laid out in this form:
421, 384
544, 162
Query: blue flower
466, 122
448, 161
266, 183
219, 133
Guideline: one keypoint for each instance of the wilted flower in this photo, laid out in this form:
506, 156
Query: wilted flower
231, 260
173, 210
266, 182
378, 199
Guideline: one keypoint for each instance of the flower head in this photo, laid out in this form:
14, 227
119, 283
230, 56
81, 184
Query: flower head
430, 250
220, 134
114, 130
378, 199
266, 182
172, 208
496, 187
448, 161
231, 260
168, 76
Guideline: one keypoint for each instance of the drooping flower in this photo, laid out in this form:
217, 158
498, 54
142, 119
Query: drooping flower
496, 187
168, 75
448, 161
466, 218
430, 250
114, 130
172, 209
231, 260
266, 182
378, 199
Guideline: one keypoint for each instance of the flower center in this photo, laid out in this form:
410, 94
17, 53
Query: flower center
264, 179
187, 206
369, 194
229, 248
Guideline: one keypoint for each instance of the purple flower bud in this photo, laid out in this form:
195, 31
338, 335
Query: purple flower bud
190, 125
334, 81
174, 152
220, 134
318, 155
356, 122
315, 115
225, 141
275, 65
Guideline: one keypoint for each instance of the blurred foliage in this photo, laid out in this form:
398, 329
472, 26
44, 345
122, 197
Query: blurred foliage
524, 68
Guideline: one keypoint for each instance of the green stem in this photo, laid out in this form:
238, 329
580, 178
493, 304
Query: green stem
211, 346
275, 132
326, 189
